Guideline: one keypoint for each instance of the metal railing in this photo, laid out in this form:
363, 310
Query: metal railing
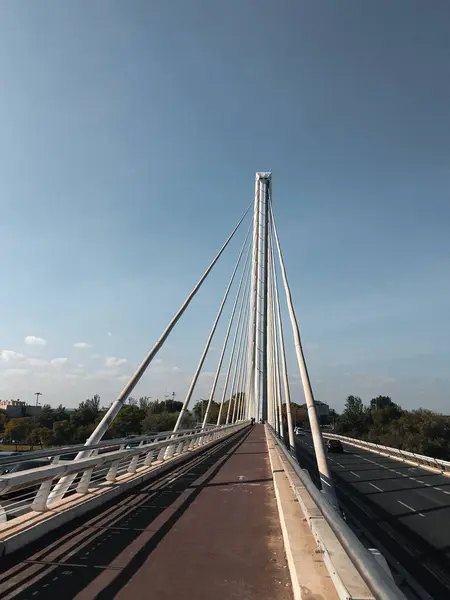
376, 578
32, 489
403, 455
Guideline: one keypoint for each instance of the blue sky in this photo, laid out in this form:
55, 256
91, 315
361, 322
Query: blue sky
130, 135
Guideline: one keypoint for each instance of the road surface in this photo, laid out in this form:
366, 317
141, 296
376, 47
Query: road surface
405, 509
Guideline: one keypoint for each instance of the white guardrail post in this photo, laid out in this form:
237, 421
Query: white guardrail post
108, 461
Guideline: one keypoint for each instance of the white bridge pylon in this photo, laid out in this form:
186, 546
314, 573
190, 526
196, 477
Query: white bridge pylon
256, 382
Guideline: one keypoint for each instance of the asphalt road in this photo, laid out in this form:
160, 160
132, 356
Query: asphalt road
404, 508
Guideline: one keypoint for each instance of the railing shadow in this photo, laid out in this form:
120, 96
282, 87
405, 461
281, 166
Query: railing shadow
75, 554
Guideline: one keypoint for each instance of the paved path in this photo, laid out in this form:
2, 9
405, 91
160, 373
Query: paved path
208, 530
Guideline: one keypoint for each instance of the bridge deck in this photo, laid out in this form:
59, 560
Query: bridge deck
209, 529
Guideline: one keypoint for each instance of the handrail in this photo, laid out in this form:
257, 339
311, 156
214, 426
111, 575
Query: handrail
419, 458
37, 475
376, 578
58, 451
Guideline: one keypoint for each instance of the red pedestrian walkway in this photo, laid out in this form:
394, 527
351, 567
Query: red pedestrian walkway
208, 531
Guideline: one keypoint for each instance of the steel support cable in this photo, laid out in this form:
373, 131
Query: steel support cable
253, 294
235, 389
271, 404
259, 354
244, 295
209, 340
277, 398
110, 415
322, 464
246, 406
271, 400
236, 362
277, 378
276, 370
227, 335
287, 394
243, 379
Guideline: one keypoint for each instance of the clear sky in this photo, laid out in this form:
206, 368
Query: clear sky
130, 135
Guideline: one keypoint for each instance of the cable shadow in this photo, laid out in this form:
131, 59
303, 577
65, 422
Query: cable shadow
231, 483
75, 568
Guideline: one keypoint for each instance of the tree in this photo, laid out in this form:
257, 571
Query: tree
61, 414
199, 409
62, 433
87, 412
171, 406
354, 419
46, 417
40, 435
144, 402
3, 420
380, 402
382, 414
154, 422
18, 429
128, 421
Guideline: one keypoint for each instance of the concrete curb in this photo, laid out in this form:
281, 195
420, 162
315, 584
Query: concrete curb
307, 568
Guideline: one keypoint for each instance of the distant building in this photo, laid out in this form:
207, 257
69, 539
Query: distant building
5, 403
16, 408
322, 410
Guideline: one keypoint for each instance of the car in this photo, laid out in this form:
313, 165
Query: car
299, 431
334, 446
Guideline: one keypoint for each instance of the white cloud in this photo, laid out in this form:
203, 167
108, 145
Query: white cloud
95, 356
37, 362
33, 340
111, 362
109, 334
15, 372
82, 345
59, 362
176, 369
124, 378
10, 355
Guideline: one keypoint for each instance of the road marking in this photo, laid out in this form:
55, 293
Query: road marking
343, 466
353, 473
418, 481
410, 508
448, 493
376, 487
438, 489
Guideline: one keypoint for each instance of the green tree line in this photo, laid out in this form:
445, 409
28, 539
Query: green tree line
59, 426
383, 421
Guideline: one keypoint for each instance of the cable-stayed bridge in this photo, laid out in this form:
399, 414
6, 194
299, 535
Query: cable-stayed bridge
240, 506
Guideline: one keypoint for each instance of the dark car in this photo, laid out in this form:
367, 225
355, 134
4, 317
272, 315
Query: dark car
334, 446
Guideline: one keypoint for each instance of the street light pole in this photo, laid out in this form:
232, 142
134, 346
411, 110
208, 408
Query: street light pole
37, 394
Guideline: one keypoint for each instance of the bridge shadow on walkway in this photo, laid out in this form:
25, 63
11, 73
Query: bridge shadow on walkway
208, 529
